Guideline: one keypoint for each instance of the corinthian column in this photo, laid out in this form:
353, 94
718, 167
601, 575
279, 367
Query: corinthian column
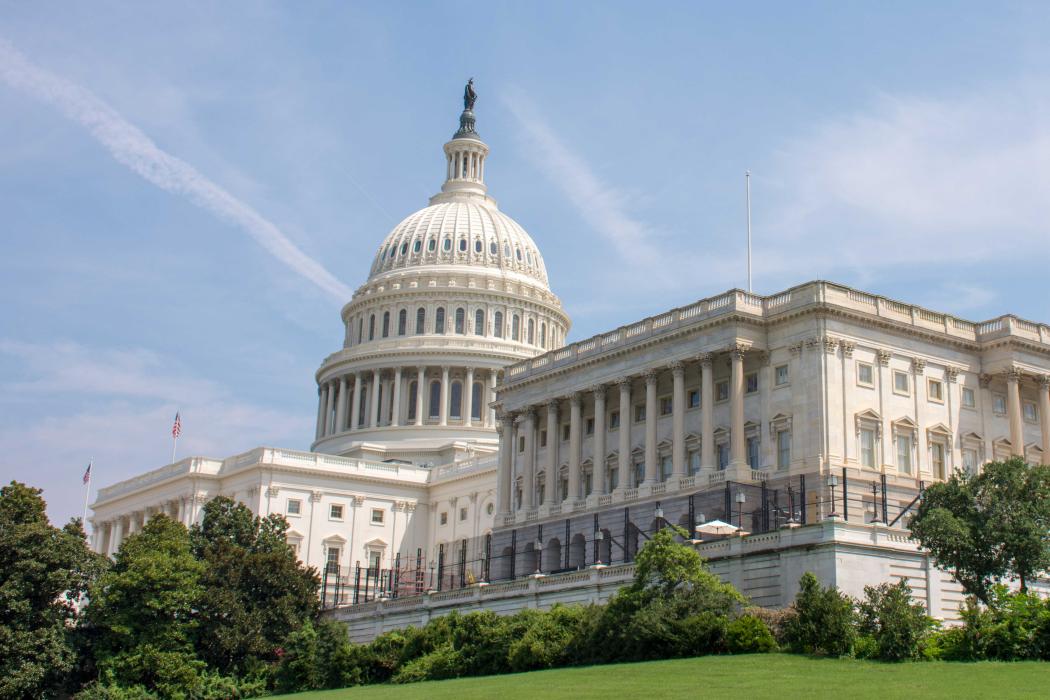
329, 407
422, 390
373, 413
1013, 400
678, 420
395, 408
468, 398
707, 409
550, 489
443, 411
340, 410
1044, 414
321, 402
738, 444
528, 487
355, 409
624, 455
651, 473
505, 477
598, 451
575, 419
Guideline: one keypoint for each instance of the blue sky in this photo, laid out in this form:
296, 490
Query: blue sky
187, 188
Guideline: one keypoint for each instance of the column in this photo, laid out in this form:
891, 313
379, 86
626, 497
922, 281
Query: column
355, 409
1013, 401
116, 536
505, 480
528, 473
340, 410
395, 419
329, 407
468, 398
1044, 414
373, 412
575, 420
443, 411
738, 444
922, 453
422, 390
491, 394
624, 456
598, 453
321, 401
651, 467
678, 420
707, 410
551, 483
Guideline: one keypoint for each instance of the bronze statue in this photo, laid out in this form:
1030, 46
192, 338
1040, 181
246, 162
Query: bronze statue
469, 96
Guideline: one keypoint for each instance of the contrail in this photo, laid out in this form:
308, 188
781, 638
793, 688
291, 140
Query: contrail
129, 146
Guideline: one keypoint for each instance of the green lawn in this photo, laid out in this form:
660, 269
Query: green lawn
737, 677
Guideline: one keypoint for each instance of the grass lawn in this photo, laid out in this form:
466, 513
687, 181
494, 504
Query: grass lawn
757, 676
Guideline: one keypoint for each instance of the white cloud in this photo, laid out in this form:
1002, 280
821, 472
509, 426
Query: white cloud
132, 148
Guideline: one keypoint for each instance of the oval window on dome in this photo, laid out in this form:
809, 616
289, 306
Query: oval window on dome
431, 244
493, 248
448, 244
463, 245
404, 249
477, 246
416, 246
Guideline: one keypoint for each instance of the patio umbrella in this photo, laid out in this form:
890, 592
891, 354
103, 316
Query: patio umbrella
716, 527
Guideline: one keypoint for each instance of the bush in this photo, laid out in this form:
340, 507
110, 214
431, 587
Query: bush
897, 625
748, 634
821, 620
1013, 627
443, 662
773, 618
316, 657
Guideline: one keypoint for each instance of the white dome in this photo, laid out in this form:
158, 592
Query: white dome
461, 230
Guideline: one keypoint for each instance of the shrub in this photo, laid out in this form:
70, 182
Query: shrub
443, 662
773, 618
748, 634
548, 641
315, 657
821, 620
897, 625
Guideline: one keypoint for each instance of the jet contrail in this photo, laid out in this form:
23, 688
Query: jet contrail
129, 146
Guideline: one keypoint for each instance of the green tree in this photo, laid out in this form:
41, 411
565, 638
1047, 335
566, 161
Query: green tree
988, 526
255, 591
896, 623
44, 570
140, 618
822, 620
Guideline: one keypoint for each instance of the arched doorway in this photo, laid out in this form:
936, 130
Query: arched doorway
578, 551
552, 555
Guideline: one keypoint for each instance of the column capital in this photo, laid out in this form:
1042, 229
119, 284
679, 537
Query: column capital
918, 365
624, 382
706, 359
1013, 375
952, 373
528, 414
575, 399
738, 349
677, 368
552, 405
985, 380
847, 348
446, 368
599, 391
650, 376
884, 357
796, 348
421, 368
1044, 381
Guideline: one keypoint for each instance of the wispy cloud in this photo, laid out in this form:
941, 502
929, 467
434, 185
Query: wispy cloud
132, 148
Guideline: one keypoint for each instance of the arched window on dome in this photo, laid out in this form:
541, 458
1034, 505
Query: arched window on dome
386, 324
517, 254
447, 245
413, 390
439, 320
461, 321
402, 321
497, 324
506, 250
417, 246
515, 327
360, 329
463, 245
435, 399
404, 249
479, 322
531, 340
475, 400
528, 256
362, 407
493, 248
477, 245
431, 245
372, 327
455, 400
543, 336
421, 321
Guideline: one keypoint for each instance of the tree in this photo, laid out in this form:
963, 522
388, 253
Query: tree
140, 618
988, 526
44, 571
255, 592
821, 620
897, 624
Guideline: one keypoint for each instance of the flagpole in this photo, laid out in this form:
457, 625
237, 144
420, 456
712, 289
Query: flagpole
747, 180
174, 444
87, 495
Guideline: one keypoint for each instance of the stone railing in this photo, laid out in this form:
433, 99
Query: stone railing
463, 467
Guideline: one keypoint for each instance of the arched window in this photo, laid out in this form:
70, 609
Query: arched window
413, 390
497, 324
531, 340
431, 245
477, 245
475, 400
479, 322
360, 329
543, 335
404, 249
417, 245
461, 321
528, 256
455, 408
362, 407
402, 321
372, 327
517, 254
421, 321
493, 248
386, 324
463, 245
506, 250
447, 245
439, 320
515, 327
435, 399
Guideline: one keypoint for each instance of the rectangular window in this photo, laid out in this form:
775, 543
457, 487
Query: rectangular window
335, 511
937, 459
999, 404
377, 516
783, 449
614, 420
935, 390
565, 432
543, 438
753, 459
588, 427
751, 383
1030, 412
614, 478
723, 455
639, 472
781, 373
904, 454
666, 406
666, 467
375, 559
694, 462
969, 460
969, 400
900, 383
462, 514
867, 448
639, 413
694, 399
722, 390
444, 518
294, 507
332, 564
521, 443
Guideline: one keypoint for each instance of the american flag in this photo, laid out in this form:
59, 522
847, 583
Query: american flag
176, 429
87, 474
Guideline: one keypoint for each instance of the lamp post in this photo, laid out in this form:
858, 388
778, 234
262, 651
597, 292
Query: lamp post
539, 556
599, 537
432, 567
832, 482
741, 498
658, 514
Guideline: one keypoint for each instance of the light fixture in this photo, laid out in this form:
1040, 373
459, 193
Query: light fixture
599, 535
659, 512
741, 497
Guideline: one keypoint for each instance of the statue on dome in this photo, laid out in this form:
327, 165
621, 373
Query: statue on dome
469, 96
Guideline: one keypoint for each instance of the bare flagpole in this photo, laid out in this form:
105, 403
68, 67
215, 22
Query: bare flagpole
747, 181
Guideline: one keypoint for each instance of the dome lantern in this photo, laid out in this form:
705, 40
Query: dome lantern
465, 154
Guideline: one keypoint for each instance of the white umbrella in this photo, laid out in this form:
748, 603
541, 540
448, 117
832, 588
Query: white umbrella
716, 527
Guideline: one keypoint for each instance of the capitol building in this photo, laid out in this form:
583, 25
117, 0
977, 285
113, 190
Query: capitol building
465, 457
